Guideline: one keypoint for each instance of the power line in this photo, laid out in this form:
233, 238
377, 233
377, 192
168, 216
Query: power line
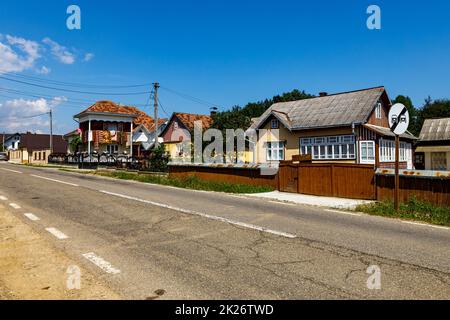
73, 84
191, 98
74, 101
165, 112
74, 91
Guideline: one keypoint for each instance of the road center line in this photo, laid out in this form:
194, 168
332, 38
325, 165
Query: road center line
31, 216
15, 171
343, 212
54, 180
15, 205
201, 214
99, 262
57, 233
3, 198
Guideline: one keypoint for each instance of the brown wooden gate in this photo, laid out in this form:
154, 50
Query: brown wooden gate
288, 177
354, 181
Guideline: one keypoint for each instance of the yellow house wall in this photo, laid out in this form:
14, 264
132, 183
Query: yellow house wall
429, 149
292, 140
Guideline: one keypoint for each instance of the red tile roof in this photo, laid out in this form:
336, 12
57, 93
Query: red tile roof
112, 107
188, 120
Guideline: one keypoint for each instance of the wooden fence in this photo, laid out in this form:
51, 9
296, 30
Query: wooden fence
238, 175
353, 181
430, 189
329, 179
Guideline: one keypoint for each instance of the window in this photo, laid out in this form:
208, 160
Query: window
274, 124
378, 111
387, 151
275, 151
367, 150
112, 148
438, 161
329, 148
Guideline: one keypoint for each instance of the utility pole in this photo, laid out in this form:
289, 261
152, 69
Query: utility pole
155, 105
3, 143
51, 131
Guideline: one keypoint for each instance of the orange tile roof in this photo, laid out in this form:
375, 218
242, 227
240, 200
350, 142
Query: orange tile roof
112, 107
188, 120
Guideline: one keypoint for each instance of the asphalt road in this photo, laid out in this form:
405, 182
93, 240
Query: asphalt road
186, 244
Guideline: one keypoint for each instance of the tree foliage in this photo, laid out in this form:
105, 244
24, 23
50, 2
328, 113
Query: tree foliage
159, 159
240, 117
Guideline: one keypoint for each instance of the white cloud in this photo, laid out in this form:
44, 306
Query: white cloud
17, 54
88, 56
61, 53
44, 70
15, 114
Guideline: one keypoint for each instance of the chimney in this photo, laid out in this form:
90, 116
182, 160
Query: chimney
323, 94
213, 111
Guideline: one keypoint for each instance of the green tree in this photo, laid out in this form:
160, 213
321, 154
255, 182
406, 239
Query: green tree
240, 117
75, 143
433, 109
159, 159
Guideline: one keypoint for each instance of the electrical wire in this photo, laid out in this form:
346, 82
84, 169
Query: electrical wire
191, 98
73, 84
74, 91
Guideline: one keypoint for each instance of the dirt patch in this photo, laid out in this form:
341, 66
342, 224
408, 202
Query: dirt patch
31, 268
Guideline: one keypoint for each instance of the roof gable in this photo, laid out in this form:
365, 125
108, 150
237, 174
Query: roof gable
335, 110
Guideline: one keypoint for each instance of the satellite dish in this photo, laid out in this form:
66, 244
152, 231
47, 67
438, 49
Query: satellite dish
398, 119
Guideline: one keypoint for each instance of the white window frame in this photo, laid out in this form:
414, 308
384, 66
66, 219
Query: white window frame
273, 149
387, 151
329, 147
367, 144
378, 110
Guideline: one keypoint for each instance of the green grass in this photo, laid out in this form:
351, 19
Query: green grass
412, 210
190, 182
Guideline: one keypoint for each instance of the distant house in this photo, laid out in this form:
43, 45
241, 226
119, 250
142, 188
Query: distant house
433, 147
12, 141
3, 137
179, 129
349, 127
35, 148
107, 127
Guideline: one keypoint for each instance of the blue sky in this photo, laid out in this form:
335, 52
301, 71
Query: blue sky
223, 52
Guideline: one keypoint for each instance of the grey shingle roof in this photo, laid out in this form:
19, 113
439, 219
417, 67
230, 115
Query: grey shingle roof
435, 130
340, 109
388, 133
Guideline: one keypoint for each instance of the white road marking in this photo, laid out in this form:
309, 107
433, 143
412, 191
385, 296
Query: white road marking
31, 216
3, 198
15, 205
343, 212
15, 171
201, 214
54, 180
426, 225
57, 233
99, 262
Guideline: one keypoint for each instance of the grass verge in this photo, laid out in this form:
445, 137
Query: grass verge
190, 182
411, 210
